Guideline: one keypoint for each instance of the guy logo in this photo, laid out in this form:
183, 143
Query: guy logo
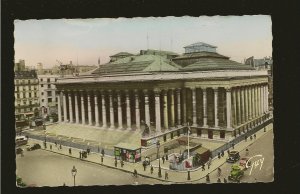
255, 163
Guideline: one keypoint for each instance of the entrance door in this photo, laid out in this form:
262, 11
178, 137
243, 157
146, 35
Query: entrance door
199, 132
165, 138
210, 134
222, 134
178, 133
172, 135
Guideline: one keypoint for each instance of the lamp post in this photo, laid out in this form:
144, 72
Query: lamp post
159, 168
74, 172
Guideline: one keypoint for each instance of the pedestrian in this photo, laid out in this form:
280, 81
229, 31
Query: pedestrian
50, 147
102, 152
122, 163
222, 153
219, 171
70, 151
163, 159
151, 169
64, 184
45, 145
101, 159
219, 180
80, 154
116, 162
203, 167
55, 144
246, 138
254, 136
208, 165
98, 149
60, 146
232, 145
144, 165
225, 180
167, 157
166, 175
219, 155
247, 152
22, 153
207, 178
228, 152
88, 151
27, 137
134, 173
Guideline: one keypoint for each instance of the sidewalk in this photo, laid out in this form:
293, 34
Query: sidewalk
174, 176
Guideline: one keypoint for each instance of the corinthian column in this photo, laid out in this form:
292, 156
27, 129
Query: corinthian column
228, 107
65, 106
70, 107
111, 111
204, 107
96, 108
172, 108
82, 108
147, 112
194, 106
59, 106
89, 108
120, 119
157, 111
128, 112
137, 110
104, 121
178, 107
166, 124
216, 107
76, 108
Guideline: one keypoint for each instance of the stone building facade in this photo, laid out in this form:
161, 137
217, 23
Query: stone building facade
218, 97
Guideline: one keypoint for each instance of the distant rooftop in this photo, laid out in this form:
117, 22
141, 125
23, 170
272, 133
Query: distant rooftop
199, 47
25, 74
121, 54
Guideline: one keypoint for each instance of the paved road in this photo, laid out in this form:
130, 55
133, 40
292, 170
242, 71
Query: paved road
44, 168
263, 146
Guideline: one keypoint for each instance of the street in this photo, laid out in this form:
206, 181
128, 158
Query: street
44, 168
263, 146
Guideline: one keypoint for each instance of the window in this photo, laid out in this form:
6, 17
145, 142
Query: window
55, 79
42, 85
18, 95
49, 93
30, 102
41, 79
35, 94
17, 81
49, 85
48, 80
42, 100
29, 81
29, 95
42, 93
49, 99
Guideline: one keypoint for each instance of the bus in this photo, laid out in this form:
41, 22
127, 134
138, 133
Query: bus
21, 140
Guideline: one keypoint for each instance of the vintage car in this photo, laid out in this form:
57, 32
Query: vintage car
33, 147
19, 150
233, 156
236, 173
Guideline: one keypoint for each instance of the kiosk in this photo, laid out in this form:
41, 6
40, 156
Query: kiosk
127, 152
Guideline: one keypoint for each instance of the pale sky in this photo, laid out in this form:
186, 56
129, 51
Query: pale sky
44, 41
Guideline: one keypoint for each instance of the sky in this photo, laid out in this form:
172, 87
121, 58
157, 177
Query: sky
84, 41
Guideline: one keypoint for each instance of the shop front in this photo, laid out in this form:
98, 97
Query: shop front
127, 152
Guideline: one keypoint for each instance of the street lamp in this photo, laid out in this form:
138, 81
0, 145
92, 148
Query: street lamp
74, 172
159, 168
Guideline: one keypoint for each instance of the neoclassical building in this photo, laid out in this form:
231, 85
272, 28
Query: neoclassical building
218, 97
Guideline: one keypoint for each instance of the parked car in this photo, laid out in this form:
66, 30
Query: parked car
33, 147
233, 156
236, 173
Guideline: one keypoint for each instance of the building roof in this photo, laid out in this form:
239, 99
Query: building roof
25, 74
200, 54
140, 63
207, 63
200, 44
121, 54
